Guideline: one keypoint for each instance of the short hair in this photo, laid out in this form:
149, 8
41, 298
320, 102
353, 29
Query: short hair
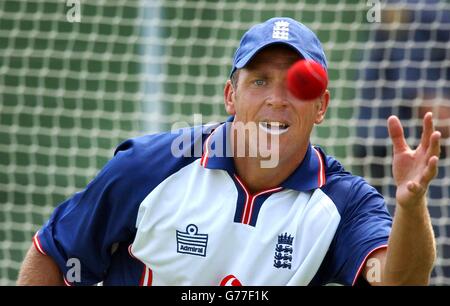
234, 78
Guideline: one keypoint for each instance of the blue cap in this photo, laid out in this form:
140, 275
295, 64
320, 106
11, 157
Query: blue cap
279, 30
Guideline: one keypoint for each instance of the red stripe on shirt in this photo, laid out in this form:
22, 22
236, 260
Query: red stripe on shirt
146, 277
253, 198
321, 174
250, 200
66, 282
37, 244
204, 159
364, 261
141, 281
150, 277
147, 273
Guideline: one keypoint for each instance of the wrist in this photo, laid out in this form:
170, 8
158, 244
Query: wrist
411, 198
416, 206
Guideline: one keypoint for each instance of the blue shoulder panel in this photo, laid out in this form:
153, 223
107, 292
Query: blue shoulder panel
88, 224
365, 225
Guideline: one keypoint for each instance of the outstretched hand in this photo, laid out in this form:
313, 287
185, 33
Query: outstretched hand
413, 170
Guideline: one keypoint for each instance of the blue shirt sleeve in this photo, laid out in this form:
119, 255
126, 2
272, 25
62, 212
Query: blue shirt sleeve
365, 226
88, 224
91, 222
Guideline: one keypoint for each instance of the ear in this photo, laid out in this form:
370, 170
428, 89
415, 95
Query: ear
228, 96
322, 106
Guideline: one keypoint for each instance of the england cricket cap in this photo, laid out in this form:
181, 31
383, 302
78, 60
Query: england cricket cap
279, 30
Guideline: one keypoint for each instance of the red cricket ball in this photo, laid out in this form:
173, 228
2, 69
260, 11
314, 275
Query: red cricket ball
307, 79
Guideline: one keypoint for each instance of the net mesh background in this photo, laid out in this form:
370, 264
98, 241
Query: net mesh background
71, 91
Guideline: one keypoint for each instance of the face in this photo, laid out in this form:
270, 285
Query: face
261, 96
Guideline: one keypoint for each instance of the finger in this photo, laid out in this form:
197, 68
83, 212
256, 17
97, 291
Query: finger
396, 133
430, 171
435, 145
427, 130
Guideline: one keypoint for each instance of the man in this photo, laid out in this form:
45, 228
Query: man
152, 217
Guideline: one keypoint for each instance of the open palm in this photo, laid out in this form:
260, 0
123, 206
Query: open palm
413, 170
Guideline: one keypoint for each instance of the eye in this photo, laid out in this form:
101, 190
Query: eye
259, 82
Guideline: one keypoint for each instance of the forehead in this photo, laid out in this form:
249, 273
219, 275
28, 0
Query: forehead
276, 55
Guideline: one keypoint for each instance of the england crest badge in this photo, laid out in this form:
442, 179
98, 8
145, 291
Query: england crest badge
283, 252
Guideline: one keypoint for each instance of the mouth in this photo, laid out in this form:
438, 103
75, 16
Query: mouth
274, 128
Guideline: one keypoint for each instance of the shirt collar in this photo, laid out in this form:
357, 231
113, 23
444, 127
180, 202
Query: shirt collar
310, 174
217, 154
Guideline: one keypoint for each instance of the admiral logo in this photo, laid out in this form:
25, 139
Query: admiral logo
191, 242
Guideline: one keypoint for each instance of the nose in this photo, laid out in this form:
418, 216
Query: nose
278, 95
